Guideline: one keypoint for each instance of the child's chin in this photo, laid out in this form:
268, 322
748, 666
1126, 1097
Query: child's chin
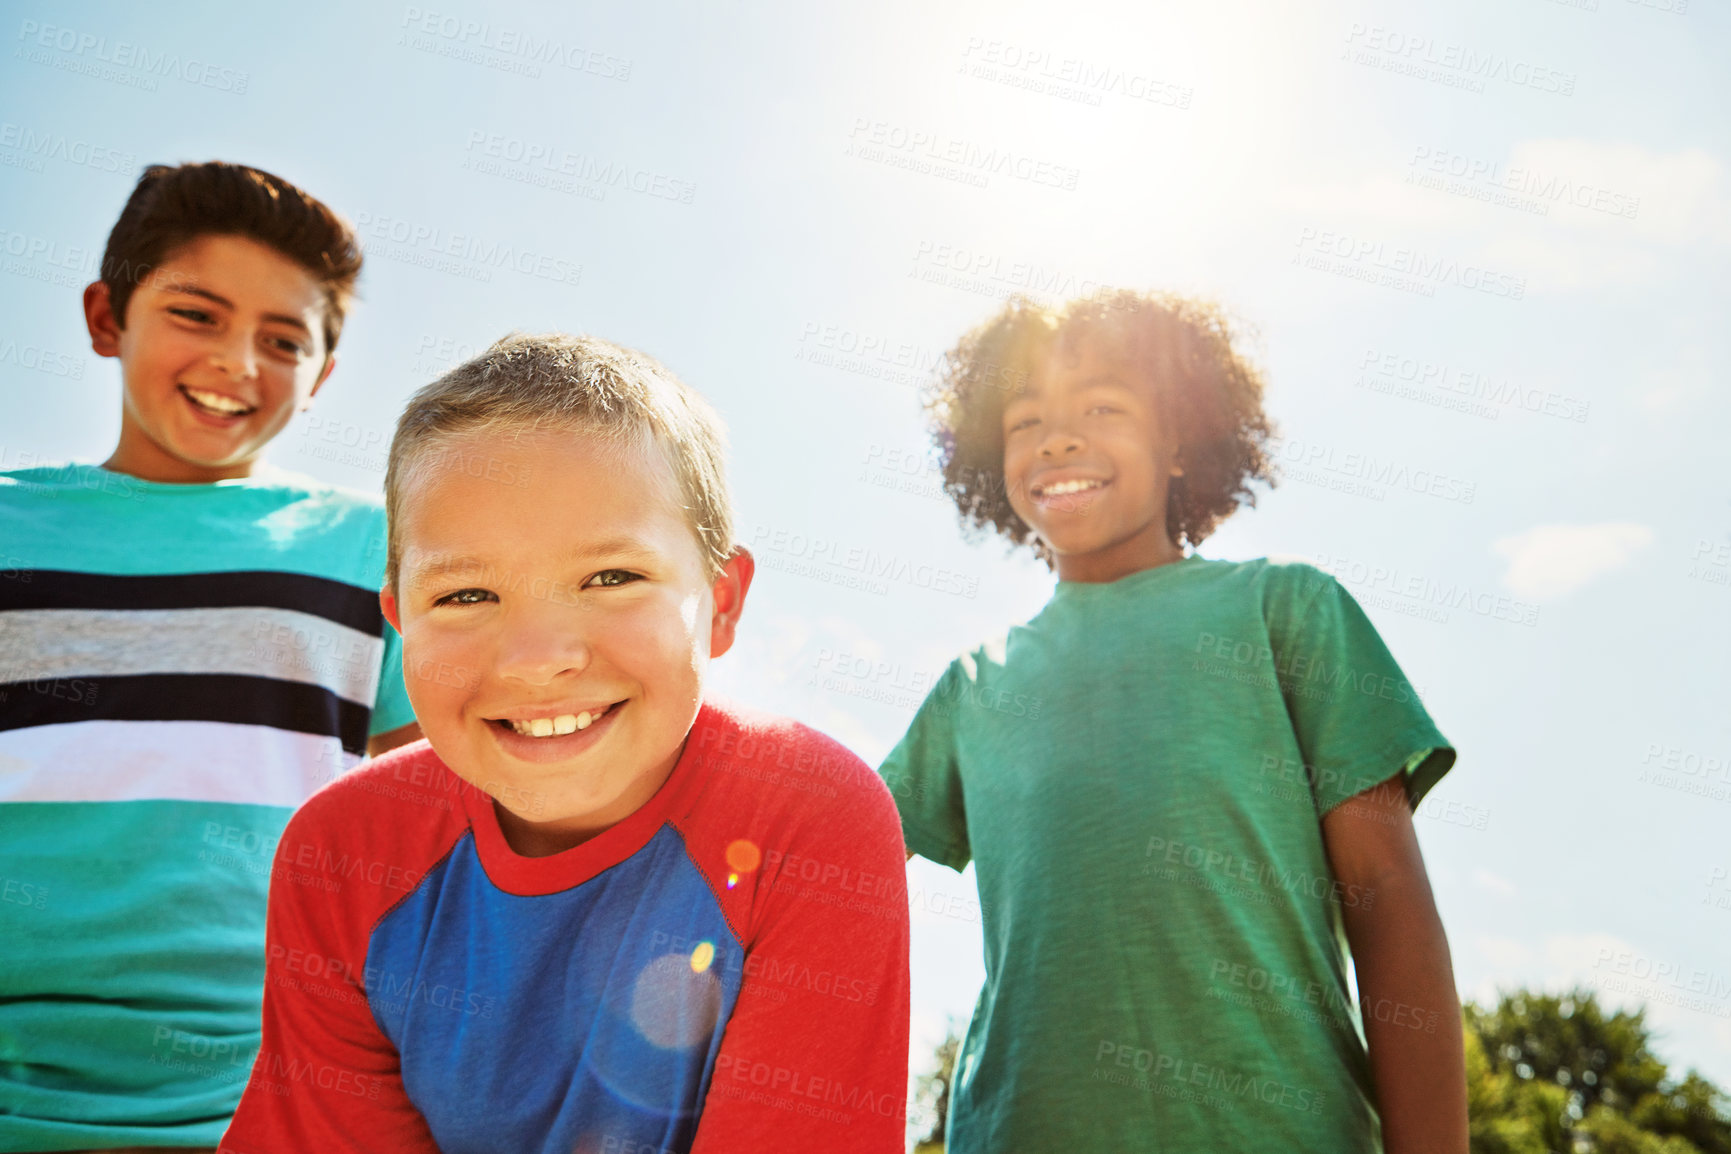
1078, 540
207, 452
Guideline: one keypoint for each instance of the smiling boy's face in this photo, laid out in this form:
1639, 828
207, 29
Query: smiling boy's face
1088, 462
223, 343
557, 622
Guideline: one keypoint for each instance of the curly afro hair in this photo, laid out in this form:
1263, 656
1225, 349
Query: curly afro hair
1203, 385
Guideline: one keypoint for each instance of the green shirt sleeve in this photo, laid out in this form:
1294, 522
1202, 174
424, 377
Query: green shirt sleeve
1358, 720
391, 708
923, 777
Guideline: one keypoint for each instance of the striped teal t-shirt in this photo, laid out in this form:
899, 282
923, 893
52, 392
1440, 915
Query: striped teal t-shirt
180, 667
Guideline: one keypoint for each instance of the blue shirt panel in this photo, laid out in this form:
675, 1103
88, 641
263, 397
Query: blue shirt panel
585, 1019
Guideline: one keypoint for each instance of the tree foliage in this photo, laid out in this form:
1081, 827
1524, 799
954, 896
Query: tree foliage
1556, 1074
932, 1093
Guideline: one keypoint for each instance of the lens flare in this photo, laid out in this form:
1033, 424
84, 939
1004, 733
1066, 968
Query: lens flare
743, 856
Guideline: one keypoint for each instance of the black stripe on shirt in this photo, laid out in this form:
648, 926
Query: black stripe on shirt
289, 705
62, 589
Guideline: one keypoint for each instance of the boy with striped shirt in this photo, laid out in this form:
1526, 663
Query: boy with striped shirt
190, 644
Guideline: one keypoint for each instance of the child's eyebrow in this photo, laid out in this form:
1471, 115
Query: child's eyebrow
431, 571
1108, 380
280, 318
622, 548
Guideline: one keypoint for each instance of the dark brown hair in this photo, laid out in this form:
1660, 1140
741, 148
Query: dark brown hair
175, 204
1205, 389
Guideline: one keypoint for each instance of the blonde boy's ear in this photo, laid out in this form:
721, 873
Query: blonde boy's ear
388, 603
99, 318
728, 593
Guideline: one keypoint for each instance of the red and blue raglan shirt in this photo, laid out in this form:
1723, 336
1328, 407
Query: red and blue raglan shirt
724, 970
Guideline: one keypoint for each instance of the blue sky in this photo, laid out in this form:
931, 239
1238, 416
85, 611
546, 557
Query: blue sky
1483, 245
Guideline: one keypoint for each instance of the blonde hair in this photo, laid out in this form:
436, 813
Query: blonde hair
530, 382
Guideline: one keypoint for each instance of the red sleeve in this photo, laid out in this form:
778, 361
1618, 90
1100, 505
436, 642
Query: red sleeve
815, 1055
327, 1079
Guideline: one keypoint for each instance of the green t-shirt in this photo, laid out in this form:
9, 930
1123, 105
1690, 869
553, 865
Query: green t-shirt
1139, 775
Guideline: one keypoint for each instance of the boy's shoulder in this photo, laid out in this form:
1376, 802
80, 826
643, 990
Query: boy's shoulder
411, 783
72, 488
315, 504
80, 517
82, 476
1280, 573
299, 505
1277, 583
781, 800
379, 826
1287, 575
53, 483
269, 476
771, 764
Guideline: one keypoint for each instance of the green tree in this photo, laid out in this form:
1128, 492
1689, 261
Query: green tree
932, 1093
1556, 1074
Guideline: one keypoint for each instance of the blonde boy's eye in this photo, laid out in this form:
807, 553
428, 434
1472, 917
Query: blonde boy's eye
466, 597
1025, 422
614, 577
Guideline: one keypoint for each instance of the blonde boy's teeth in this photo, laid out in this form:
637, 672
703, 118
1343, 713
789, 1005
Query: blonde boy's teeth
556, 726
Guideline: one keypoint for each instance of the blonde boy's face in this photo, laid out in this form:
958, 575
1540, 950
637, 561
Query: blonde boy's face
223, 343
557, 621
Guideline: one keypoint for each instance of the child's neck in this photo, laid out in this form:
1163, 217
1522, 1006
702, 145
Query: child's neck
1120, 559
529, 838
138, 456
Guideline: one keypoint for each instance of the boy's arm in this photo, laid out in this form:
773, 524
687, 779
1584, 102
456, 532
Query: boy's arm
326, 1077
815, 1055
1406, 990
925, 780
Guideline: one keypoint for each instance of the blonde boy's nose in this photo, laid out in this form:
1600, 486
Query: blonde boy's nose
537, 649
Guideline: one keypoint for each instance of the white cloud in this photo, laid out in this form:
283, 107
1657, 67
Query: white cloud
1670, 197
1613, 213
1549, 561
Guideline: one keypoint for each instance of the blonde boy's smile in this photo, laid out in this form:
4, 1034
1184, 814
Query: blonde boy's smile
542, 737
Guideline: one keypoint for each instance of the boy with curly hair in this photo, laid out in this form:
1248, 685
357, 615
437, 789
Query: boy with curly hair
1214, 799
